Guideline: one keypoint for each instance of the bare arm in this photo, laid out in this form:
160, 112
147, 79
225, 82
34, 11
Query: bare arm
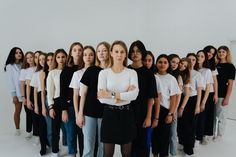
199, 95
228, 93
215, 86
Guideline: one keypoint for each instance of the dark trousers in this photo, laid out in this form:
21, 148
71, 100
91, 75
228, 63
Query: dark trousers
200, 122
139, 145
56, 124
29, 119
186, 126
42, 125
35, 117
209, 118
161, 135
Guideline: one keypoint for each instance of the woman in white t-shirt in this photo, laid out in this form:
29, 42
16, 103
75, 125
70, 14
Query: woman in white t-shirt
170, 89
207, 84
28, 62
117, 87
13, 67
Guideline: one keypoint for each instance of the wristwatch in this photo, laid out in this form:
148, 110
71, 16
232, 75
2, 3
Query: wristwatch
113, 95
170, 114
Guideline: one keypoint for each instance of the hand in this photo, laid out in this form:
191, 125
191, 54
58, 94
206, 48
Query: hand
64, 116
103, 94
147, 123
215, 99
197, 110
80, 120
29, 105
225, 102
180, 112
154, 123
131, 88
44, 111
169, 119
52, 113
15, 100
36, 109
202, 108
24, 101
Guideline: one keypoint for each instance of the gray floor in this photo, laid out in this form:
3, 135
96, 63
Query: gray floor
11, 145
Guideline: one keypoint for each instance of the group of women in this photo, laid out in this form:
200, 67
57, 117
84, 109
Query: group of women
95, 97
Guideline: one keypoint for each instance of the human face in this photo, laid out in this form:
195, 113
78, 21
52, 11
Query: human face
162, 65
41, 60
36, 56
183, 65
222, 54
136, 54
61, 59
201, 57
210, 54
50, 61
29, 59
193, 60
174, 63
118, 54
148, 61
88, 57
18, 55
76, 52
102, 53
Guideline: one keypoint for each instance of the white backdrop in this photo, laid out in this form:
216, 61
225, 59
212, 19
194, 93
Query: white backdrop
165, 26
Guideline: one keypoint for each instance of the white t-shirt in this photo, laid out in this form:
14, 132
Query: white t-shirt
75, 81
29, 73
118, 82
214, 73
53, 85
35, 81
169, 87
196, 82
206, 77
23, 74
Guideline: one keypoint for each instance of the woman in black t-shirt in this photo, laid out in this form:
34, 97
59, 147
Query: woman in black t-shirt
225, 79
90, 110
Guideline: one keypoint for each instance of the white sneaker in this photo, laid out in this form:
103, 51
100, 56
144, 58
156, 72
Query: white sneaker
217, 138
36, 141
204, 141
54, 155
180, 147
196, 144
17, 133
28, 135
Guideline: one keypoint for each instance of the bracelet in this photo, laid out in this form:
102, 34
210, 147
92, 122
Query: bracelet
50, 107
23, 96
156, 118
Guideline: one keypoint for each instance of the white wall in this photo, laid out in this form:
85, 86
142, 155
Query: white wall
165, 26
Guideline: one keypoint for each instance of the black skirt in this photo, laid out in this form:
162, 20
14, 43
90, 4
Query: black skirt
118, 125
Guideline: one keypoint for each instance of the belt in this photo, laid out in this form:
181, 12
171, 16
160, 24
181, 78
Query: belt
123, 107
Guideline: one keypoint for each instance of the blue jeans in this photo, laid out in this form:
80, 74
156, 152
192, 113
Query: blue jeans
89, 130
71, 130
173, 138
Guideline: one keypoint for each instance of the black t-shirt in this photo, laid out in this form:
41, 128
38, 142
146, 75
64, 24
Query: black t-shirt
92, 106
147, 89
226, 72
66, 93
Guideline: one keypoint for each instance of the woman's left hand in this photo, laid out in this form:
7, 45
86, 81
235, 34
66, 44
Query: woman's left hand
103, 94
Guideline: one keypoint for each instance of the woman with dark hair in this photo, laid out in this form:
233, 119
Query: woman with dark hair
144, 103
149, 62
74, 62
206, 96
54, 101
13, 67
169, 90
209, 129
